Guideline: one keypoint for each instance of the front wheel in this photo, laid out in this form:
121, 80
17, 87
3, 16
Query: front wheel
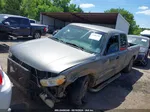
78, 91
37, 35
128, 68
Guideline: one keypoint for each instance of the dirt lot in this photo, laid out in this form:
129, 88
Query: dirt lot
130, 91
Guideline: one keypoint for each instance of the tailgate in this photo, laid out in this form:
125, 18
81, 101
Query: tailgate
18, 73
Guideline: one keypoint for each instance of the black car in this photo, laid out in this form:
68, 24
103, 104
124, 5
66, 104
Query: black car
20, 26
144, 43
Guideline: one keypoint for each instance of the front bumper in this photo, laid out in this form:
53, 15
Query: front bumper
21, 78
5, 93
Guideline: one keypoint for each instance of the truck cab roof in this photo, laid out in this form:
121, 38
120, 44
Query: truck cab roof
9, 15
97, 27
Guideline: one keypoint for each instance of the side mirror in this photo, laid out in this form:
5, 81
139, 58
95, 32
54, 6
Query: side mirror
6, 23
55, 32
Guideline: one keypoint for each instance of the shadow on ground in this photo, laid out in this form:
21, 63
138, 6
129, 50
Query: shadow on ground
109, 98
4, 48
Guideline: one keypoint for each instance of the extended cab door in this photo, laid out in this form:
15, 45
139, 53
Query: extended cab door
122, 52
25, 27
110, 59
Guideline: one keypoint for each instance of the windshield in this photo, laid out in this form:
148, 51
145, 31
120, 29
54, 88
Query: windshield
139, 41
86, 39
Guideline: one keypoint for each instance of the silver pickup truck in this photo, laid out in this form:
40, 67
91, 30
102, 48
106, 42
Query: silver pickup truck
77, 58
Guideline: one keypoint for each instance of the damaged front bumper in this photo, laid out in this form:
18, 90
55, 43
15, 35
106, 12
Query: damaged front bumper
22, 78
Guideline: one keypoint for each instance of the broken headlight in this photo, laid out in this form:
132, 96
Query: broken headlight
53, 81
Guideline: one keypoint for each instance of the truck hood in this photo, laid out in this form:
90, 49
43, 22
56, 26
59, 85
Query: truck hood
49, 55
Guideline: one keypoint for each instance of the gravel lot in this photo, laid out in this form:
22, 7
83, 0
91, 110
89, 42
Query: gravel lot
130, 91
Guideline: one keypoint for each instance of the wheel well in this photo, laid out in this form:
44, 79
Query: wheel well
134, 57
91, 81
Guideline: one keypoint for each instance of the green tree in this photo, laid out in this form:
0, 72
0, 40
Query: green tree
33, 8
74, 8
12, 7
134, 28
2, 4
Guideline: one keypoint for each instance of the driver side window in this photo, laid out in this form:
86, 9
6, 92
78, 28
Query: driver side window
112, 45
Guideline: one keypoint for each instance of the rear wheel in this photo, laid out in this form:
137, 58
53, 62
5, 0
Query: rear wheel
78, 91
37, 35
128, 68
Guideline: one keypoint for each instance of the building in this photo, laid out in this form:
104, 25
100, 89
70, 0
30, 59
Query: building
61, 19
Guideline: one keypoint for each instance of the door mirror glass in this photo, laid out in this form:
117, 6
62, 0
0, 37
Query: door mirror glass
55, 32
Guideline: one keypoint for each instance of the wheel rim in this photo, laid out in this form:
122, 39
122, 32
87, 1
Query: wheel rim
37, 35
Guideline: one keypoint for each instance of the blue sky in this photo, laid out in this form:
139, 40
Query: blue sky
140, 8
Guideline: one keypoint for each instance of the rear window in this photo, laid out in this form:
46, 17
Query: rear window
25, 22
32, 21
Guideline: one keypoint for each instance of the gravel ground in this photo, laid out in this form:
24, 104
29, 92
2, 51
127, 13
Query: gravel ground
130, 91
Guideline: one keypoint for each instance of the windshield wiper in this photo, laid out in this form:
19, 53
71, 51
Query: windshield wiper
57, 39
79, 47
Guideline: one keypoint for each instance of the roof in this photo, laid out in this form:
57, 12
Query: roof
9, 15
138, 36
101, 18
96, 27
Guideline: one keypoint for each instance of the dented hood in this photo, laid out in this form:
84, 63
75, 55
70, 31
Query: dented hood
49, 55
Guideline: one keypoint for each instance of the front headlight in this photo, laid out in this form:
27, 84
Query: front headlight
54, 81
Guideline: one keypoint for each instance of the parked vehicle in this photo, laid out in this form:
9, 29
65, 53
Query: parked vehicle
78, 57
144, 43
20, 26
5, 91
145, 33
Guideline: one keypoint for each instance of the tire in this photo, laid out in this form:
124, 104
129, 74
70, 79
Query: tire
144, 62
78, 91
37, 35
128, 68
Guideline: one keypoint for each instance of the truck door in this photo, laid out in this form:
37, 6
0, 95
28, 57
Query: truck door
123, 52
14, 25
110, 59
25, 27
